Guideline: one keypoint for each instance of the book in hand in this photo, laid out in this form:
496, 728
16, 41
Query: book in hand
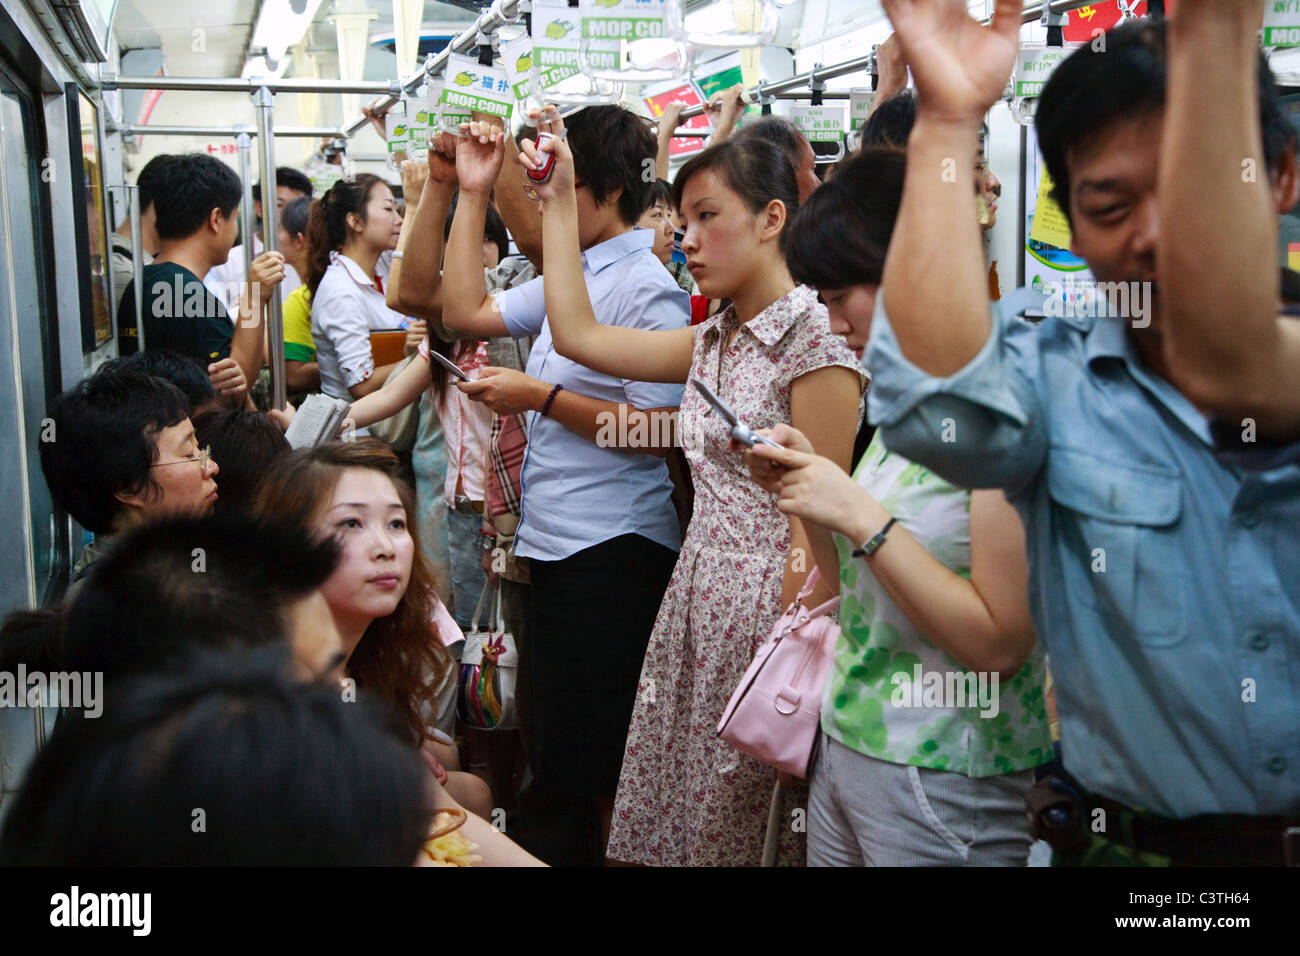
316, 421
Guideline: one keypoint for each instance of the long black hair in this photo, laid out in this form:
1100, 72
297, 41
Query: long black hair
327, 223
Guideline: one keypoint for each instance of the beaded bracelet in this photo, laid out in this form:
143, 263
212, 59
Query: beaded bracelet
550, 398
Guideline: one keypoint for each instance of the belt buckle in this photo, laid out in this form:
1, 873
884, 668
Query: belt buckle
1291, 846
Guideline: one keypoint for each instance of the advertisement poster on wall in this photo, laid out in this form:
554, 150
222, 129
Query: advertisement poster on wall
1050, 266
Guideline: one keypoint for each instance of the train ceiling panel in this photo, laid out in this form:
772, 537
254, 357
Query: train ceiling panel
198, 37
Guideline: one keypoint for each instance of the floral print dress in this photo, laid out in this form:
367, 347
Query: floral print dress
684, 797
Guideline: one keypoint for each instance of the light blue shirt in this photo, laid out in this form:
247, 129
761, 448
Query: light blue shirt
1164, 582
576, 493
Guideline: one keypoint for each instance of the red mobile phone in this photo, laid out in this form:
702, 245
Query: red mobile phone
544, 174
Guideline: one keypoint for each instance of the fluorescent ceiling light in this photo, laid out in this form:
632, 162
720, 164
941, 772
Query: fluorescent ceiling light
658, 51
281, 24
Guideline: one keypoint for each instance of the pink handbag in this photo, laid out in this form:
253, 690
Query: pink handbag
774, 713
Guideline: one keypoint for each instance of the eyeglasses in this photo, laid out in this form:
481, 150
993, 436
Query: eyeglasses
202, 458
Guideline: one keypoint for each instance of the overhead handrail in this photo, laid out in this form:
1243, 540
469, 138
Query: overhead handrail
489, 21
1031, 12
308, 132
220, 84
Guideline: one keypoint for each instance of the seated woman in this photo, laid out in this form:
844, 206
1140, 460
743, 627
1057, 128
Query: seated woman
382, 599
934, 591
124, 453
223, 762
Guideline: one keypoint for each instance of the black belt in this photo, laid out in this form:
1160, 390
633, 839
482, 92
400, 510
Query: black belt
1061, 813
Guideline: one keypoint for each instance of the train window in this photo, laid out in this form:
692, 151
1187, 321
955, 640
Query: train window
92, 238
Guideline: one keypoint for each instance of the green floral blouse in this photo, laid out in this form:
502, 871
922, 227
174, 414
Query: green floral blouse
892, 694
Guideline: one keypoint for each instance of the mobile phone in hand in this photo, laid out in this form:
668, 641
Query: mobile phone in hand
739, 430
448, 364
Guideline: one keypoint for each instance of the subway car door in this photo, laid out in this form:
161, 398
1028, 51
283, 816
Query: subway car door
30, 541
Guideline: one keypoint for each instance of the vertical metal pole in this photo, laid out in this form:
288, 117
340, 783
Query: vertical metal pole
263, 102
244, 143
137, 265
114, 293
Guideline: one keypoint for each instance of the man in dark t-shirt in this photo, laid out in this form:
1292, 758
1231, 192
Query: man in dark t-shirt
179, 314
195, 201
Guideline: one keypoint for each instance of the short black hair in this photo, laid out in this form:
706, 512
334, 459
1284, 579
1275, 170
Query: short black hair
1091, 90
187, 189
103, 440
891, 122
245, 444
293, 217
660, 191
840, 235
148, 178
285, 774
613, 147
181, 370
290, 178
778, 131
175, 584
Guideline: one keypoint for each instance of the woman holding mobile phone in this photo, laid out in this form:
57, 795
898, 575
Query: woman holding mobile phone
684, 797
933, 578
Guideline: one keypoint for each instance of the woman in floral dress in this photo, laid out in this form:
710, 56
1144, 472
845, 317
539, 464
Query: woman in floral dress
684, 797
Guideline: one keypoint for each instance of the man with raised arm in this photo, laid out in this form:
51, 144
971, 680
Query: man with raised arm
1163, 580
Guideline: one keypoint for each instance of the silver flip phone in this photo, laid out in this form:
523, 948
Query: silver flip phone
739, 430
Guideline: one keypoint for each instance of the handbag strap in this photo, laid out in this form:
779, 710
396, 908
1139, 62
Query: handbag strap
500, 617
809, 585
821, 610
773, 831
478, 608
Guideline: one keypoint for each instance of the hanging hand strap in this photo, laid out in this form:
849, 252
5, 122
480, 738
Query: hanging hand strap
1055, 23
816, 85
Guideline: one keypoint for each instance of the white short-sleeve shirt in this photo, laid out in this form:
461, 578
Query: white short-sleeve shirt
226, 281
347, 307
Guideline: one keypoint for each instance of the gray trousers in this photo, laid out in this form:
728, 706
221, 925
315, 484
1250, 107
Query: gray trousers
868, 812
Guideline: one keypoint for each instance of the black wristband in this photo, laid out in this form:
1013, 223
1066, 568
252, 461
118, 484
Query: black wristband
875, 541
550, 398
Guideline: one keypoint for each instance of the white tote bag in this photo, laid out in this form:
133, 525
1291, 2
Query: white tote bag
489, 666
